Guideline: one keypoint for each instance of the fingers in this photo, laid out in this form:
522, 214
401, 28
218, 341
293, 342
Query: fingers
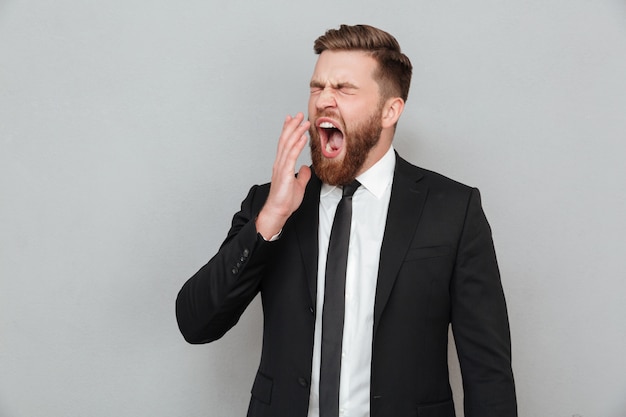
286, 191
292, 136
292, 141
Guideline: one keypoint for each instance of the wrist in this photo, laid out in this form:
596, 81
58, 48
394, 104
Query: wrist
269, 226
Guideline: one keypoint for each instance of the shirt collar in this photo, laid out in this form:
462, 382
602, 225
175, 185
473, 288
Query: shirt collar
376, 179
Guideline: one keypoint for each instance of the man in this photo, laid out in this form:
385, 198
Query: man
420, 258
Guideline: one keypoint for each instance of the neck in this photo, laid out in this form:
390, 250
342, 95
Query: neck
377, 152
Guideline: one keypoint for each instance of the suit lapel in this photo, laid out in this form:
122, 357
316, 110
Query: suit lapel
405, 208
306, 223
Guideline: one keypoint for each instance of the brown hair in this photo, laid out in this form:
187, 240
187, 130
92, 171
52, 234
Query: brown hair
394, 68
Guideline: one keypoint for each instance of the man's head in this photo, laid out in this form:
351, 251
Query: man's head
358, 89
394, 68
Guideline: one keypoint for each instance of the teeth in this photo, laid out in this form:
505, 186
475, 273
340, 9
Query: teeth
328, 148
327, 125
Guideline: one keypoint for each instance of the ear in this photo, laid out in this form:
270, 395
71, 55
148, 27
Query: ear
391, 111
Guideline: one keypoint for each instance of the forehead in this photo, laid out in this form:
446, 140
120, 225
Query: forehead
344, 66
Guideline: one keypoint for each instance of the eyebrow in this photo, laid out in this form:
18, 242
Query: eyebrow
338, 86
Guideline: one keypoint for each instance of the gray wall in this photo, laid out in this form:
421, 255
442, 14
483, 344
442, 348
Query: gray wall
130, 131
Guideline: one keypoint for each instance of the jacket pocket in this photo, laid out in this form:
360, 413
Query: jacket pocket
443, 409
262, 388
426, 252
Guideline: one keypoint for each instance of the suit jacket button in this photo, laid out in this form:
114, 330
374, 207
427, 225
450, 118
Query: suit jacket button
234, 271
303, 382
246, 252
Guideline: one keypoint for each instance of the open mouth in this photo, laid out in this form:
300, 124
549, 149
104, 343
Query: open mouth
331, 138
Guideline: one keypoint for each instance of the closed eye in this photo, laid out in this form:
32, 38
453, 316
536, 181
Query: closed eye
317, 87
348, 90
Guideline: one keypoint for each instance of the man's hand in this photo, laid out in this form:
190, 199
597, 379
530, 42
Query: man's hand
286, 191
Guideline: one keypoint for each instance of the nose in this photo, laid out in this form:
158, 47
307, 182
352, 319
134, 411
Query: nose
326, 99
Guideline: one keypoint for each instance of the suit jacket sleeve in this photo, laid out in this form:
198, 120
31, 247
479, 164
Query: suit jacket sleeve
212, 300
480, 322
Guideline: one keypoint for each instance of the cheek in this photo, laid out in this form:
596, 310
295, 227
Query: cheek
311, 105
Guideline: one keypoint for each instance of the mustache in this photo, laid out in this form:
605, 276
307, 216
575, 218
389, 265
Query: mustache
326, 113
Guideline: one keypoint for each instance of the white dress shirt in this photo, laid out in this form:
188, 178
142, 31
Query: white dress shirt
369, 215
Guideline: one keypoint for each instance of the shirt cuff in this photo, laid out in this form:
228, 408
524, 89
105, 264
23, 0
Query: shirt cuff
273, 238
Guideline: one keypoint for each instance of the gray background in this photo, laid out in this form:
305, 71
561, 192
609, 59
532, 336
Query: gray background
130, 131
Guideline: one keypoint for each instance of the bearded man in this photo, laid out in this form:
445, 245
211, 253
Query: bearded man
359, 328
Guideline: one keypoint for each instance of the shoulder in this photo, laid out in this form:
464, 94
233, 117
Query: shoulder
254, 201
431, 179
448, 198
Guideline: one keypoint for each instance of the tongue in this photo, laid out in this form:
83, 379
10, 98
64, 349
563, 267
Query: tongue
335, 139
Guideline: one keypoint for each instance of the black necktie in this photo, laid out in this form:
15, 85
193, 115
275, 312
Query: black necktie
334, 304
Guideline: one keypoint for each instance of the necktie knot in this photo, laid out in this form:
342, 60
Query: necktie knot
350, 189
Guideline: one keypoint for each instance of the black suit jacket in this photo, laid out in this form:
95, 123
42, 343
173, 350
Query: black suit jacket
437, 267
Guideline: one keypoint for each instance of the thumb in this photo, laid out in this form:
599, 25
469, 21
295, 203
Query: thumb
304, 175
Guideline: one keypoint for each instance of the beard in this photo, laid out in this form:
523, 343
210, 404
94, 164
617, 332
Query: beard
358, 141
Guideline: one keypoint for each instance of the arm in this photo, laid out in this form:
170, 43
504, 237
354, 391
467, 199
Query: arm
212, 301
480, 322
